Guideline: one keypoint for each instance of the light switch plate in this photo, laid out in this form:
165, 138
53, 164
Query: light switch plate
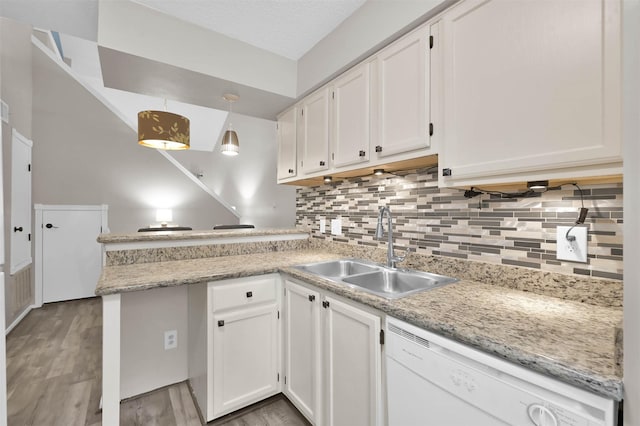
323, 225
170, 339
336, 226
576, 250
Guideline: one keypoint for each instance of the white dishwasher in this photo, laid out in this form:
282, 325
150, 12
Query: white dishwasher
434, 381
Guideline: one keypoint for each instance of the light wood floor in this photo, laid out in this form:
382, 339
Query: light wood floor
54, 376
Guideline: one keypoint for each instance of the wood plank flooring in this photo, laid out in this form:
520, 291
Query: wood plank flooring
54, 377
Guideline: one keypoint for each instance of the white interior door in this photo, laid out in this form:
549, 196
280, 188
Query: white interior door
20, 228
71, 256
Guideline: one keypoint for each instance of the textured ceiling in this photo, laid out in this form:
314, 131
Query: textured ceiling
288, 28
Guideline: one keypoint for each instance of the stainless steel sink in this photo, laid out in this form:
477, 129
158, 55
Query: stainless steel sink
389, 283
339, 268
395, 283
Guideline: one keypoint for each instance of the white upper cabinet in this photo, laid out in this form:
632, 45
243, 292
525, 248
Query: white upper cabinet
531, 90
287, 144
350, 98
403, 95
313, 131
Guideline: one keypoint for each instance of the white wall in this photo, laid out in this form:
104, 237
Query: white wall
631, 141
373, 25
145, 316
138, 30
85, 154
248, 180
76, 17
15, 50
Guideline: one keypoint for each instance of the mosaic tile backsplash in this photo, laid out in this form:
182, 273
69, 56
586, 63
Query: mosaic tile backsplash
487, 228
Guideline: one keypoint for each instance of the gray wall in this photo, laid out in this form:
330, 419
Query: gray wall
85, 154
247, 181
15, 50
631, 143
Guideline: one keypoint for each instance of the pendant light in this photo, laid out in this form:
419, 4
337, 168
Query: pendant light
230, 144
163, 130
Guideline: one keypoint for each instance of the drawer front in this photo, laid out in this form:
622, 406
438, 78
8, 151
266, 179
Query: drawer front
243, 292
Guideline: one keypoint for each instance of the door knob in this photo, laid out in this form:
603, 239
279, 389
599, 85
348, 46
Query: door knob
17, 229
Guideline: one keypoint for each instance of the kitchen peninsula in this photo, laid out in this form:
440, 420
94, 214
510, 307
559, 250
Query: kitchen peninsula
562, 326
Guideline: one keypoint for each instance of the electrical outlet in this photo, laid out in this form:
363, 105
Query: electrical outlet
573, 248
323, 225
336, 226
170, 339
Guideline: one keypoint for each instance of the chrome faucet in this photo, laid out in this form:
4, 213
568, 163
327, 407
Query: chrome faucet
392, 259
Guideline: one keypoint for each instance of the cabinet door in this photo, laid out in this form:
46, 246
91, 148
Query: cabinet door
287, 144
352, 365
351, 117
245, 357
530, 86
302, 349
20, 229
403, 95
315, 132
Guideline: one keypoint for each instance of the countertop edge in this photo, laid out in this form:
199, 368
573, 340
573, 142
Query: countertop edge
135, 237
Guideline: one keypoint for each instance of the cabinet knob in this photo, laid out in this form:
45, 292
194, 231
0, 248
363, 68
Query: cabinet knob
446, 172
362, 153
378, 148
249, 294
322, 163
17, 229
325, 304
312, 298
290, 171
221, 323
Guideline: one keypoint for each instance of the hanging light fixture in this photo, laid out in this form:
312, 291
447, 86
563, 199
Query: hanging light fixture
163, 130
230, 144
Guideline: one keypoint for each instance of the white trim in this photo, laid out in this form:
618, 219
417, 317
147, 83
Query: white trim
4, 111
131, 124
3, 346
39, 208
19, 318
39, 256
111, 360
136, 245
14, 269
73, 207
17, 135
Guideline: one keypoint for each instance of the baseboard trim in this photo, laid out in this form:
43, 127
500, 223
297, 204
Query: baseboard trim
19, 318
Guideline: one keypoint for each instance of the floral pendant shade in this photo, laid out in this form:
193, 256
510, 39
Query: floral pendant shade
163, 130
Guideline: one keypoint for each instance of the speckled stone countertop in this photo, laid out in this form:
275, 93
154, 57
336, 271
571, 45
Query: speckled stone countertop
192, 235
572, 341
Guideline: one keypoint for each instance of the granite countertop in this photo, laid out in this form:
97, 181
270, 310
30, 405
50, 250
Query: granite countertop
572, 341
193, 235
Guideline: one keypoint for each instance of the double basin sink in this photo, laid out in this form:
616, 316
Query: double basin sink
373, 278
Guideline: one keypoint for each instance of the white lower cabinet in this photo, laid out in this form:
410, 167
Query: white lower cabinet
332, 358
245, 357
234, 343
302, 349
